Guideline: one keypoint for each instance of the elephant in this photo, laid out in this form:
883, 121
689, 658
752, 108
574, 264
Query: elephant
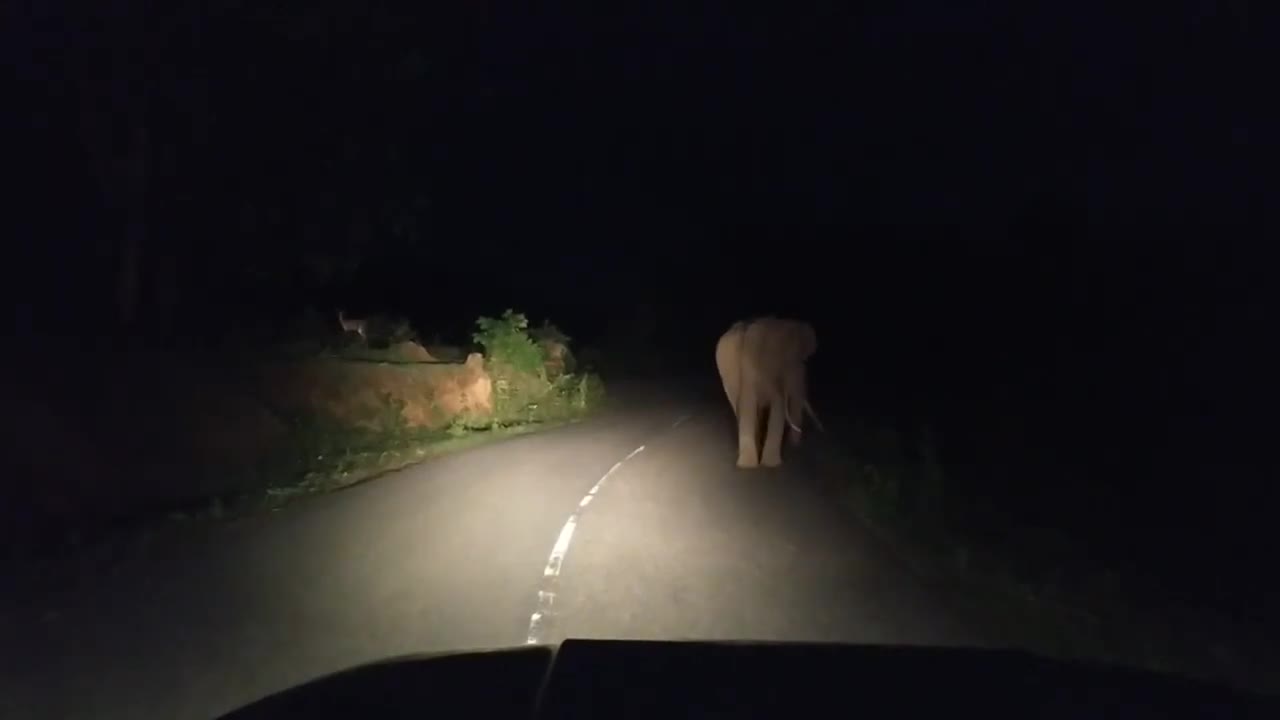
762, 366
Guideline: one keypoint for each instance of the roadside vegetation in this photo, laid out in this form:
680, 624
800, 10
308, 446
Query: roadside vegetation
253, 426
521, 380
1033, 586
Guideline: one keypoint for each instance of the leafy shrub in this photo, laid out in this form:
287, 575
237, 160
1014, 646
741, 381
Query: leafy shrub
585, 392
517, 396
524, 390
558, 358
506, 341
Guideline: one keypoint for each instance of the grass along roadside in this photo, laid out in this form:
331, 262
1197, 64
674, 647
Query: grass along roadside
1019, 592
323, 456
253, 428
347, 466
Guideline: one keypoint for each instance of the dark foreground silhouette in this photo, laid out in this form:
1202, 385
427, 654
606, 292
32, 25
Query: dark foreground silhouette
622, 679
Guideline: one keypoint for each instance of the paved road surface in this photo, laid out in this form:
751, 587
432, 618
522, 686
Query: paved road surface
452, 554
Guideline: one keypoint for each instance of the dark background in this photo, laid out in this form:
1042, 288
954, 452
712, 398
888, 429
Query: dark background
1039, 228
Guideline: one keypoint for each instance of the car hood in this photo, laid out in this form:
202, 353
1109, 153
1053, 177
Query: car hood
633, 679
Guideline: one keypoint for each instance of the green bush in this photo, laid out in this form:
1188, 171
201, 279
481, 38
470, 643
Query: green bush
517, 361
572, 396
506, 341
586, 391
516, 395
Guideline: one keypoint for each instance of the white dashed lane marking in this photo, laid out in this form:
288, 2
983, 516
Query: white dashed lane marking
551, 573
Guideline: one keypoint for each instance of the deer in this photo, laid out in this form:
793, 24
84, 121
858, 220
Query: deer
353, 325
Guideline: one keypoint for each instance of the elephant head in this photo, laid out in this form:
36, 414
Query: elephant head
762, 366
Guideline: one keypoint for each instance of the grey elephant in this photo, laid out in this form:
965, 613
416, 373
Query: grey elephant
762, 366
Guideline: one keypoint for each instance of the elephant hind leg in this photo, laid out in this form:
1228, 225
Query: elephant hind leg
771, 455
748, 449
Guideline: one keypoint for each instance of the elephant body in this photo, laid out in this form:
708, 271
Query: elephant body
762, 366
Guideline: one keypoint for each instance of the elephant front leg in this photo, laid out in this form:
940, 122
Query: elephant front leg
748, 417
771, 456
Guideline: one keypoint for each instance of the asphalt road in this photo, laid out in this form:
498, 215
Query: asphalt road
675, 542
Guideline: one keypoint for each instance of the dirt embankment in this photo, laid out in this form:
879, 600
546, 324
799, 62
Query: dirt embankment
118, 433
428, 394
